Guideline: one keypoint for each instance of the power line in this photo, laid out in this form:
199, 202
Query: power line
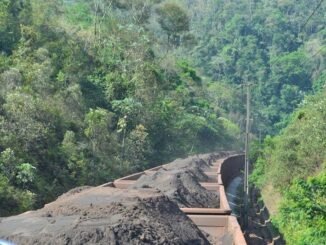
315, 10
315, 54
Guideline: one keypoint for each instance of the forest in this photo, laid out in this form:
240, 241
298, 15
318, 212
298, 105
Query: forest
94, 90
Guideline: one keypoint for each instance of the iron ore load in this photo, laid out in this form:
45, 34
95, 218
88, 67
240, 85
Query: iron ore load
182, 202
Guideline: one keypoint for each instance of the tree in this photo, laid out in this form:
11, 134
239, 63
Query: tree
174, 21
98, 122
8, 164
13, 14
137, 148
14, 200
25, 174
302, 215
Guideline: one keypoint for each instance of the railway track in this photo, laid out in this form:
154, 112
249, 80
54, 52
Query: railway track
196, 185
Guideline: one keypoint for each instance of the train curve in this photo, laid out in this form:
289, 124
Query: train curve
217, 222
183, 202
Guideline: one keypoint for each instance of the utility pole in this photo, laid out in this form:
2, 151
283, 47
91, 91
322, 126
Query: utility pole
246, 172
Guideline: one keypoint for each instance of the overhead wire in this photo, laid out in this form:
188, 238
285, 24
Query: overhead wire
317, 52
312, 14
307, 21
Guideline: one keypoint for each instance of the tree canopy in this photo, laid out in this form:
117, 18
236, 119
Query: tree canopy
86, 96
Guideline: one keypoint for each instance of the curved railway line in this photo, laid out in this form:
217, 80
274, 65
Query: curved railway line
218, 222
73, 214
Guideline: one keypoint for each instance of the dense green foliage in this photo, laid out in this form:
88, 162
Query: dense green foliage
264, 43
89, 94
302, 216
287, 161
300, 149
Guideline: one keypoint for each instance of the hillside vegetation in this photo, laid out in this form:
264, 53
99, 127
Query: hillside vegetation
294, 163
267, 43
88, 93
